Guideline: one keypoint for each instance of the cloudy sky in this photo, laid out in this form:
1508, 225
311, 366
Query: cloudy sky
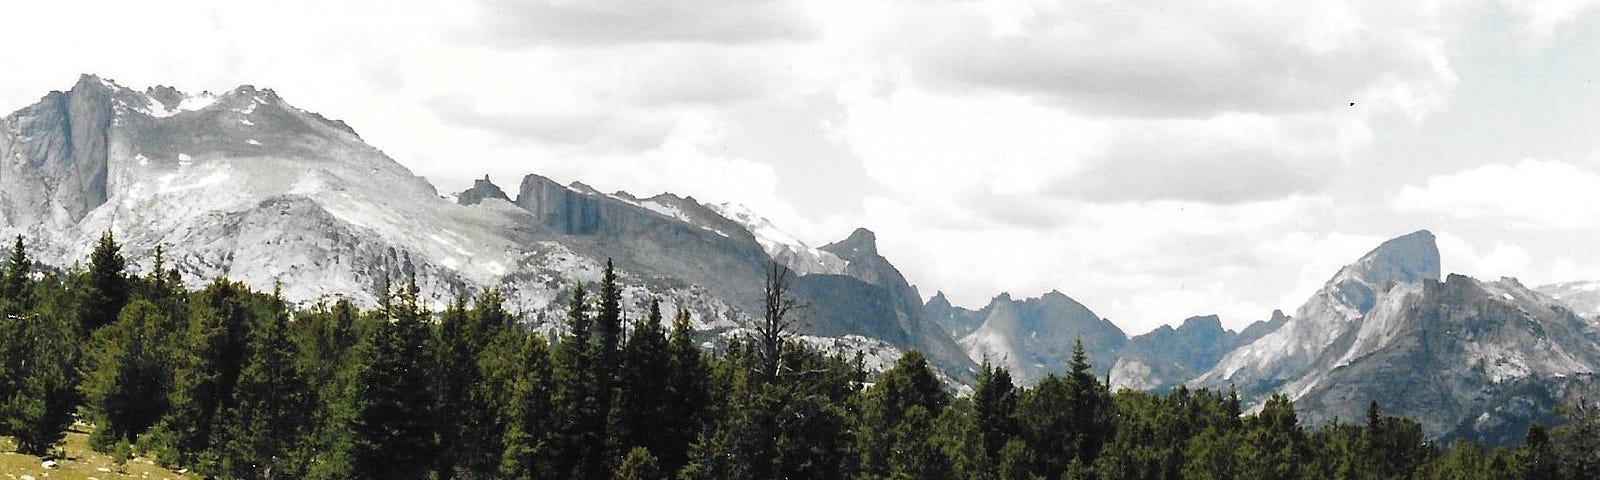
1152, 159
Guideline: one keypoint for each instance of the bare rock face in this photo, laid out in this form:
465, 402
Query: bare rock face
481, 190
1287, 354
56, 153
1465, 357
1034, 337
243, 184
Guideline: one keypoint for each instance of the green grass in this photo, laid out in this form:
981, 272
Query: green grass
80, 463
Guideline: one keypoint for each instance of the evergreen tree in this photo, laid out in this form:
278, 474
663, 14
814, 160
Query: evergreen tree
393, 421
688, 392
16, 282
454, 355
41, 396
607, 355
639, 465
643, 403
1090, 404
994, 402
125, 378
206, 366
581, 432
527, 451
259, 430
105, 286
1274, 445
1536, 458
1394, 446
896, 414
1578, 440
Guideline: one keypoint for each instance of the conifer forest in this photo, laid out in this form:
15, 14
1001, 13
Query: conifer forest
228, 382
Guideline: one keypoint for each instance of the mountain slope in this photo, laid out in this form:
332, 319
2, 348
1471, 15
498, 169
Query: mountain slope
245, 185
1582, 297
1462, 356
1034, 337
1290, 352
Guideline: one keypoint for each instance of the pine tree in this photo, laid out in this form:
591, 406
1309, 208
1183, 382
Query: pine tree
994, 402
16, 282
39, 409
105, 286
607, 356
125, 382
580, 440
259, 431
643, 404
393, 423
526, 451
895, 415
688, 393
208, 361
639, 464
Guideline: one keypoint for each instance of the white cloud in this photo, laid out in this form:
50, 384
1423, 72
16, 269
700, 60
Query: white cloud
1155, 160
1140, 263
1532, 193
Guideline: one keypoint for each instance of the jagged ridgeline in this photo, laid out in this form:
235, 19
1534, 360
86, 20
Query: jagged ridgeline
229, 382
243, 184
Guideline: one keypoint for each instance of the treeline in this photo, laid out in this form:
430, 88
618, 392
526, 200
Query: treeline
233, 383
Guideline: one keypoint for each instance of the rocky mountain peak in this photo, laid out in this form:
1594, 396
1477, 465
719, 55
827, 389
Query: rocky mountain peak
1407, 258
861, 242
481, 190
1205, 323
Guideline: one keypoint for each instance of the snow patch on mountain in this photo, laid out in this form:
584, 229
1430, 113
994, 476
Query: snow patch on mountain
780, 245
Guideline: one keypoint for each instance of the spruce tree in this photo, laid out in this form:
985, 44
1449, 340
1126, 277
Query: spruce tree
994, 402
207, 365
643, 404
16, 282
393, 419
607, 356
105, 286
259, 430
41, 398
688, 387
125, 381
528, 415
580, 438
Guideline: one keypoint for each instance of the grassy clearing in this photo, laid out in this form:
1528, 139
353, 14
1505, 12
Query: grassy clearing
81, 463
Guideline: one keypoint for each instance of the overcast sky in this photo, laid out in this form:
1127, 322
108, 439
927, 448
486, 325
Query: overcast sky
1154, 160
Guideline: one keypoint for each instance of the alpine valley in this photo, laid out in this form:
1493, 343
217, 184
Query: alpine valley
242, 184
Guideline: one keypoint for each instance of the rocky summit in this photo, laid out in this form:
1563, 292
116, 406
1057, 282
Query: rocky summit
243, 184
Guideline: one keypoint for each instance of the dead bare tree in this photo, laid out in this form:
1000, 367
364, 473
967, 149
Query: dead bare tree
776, 325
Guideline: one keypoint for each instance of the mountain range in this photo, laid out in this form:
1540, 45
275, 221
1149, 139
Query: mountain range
243, 184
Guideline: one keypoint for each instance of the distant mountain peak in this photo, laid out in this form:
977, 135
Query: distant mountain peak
1407, 258
481, 190
1202, 322
860, 242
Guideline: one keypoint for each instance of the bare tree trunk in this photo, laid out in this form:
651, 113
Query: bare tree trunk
776, 324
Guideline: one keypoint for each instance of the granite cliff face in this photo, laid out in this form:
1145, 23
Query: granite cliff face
243, 184
1167, 357
1462, 356
1034, 337
1288, 354
1465, 357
